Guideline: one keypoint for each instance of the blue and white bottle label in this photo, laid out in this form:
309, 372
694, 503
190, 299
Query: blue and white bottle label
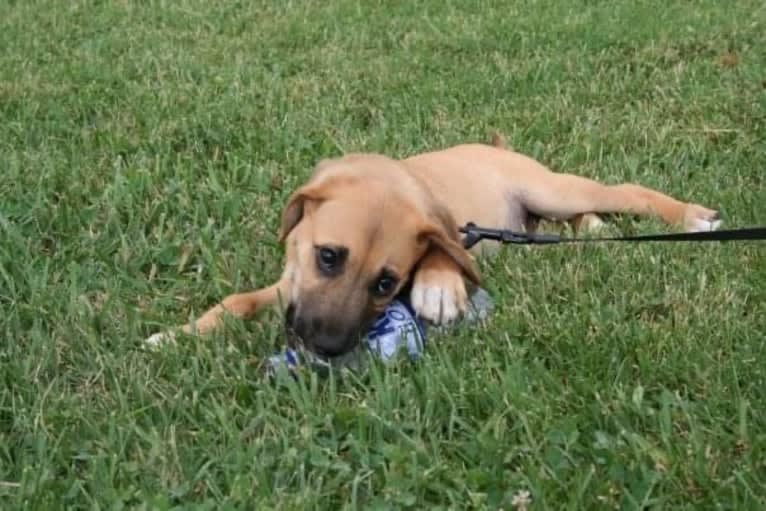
397, 326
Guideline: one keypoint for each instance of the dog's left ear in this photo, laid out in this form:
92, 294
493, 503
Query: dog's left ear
442, 234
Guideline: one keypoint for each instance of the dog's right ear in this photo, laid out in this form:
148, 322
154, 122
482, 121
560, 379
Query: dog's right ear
296, 204
312, 192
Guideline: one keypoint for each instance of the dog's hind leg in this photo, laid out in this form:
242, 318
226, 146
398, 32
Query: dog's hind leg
565, 196
240, 305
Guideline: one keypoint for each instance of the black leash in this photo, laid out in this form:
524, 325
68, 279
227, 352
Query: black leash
475, 234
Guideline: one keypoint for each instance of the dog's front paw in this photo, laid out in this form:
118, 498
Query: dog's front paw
698, 218
160, 339
438, 296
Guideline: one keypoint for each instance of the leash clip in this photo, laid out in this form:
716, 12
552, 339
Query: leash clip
474, 234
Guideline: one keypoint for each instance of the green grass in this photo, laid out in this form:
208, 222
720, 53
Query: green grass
146, 149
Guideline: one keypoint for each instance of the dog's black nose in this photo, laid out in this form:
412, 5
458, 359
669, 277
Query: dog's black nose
324, 336
301, 329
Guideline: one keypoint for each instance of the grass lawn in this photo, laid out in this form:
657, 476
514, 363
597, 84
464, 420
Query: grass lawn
146, 149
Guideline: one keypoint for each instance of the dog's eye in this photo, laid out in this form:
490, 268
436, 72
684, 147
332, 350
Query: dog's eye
384, 286
330, 259
328, 256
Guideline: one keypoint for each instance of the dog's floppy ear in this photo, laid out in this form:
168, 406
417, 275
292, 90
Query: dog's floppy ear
315, 190
293, 212
442, 234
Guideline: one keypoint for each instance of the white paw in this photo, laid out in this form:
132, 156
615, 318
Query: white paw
704, 225
160, 339
591, 222
698, 218
439, 297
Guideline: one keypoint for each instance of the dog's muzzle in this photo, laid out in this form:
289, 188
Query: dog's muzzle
326, 337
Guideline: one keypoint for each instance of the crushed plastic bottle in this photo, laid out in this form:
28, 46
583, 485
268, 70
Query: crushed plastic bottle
395, 330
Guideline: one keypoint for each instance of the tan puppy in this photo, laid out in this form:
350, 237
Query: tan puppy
365, 225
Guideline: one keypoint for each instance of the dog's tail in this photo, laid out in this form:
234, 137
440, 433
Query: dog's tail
498, 141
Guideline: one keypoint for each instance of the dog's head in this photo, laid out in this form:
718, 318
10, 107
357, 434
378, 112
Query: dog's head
354, 235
